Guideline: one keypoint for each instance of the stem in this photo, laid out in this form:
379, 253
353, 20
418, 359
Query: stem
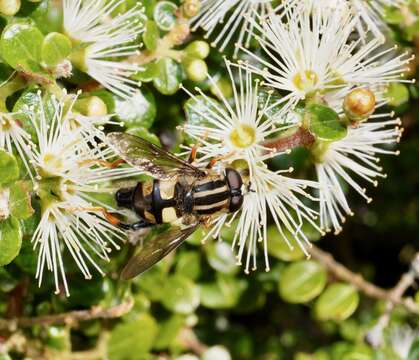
393, 296
69, 317
302, 137
174, 37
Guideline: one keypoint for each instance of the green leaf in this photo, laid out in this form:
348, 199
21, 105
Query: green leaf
9, 169
398, 94
168, 331
279, 248
221, 257
338, 302
180, 295
132, 339
20, 43
48, 16
302, 281
55, 48
137, 111
152, 283
189, 265
414, 351
151, 35
325, 123
147, 73
223, 294
169, 76
27, 259
199, 109
20, 200
10, 240
58, 338
164, 15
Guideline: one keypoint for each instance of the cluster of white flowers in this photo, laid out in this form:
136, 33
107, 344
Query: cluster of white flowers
309, 54
67, 165
105, 40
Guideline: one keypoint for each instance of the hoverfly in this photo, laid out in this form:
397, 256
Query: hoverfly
179, 194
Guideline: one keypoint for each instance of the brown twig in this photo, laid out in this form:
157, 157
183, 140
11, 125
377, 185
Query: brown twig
302, 137
393, 296
69, 317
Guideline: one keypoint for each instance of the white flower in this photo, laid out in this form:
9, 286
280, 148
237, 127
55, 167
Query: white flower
369, 12
105, 41
353, 157
13, 136
312, 54
69, 169
236, 131
231, 16
402, 339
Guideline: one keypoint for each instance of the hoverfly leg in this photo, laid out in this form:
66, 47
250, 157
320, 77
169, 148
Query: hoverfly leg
193, 154
195, 147
142, 224
214, 161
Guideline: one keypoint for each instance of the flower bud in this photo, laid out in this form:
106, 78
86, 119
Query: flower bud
359, 104
196, 70
91, 106
9, 7
198, 49
190, 8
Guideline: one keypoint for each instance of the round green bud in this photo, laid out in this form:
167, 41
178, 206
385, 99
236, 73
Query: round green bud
9, 7
359, 104
222, 88
198, 49
196, 70
190, 8
91, 106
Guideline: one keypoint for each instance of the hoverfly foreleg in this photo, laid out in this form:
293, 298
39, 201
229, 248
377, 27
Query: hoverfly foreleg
193, 153
142, 224
214, 161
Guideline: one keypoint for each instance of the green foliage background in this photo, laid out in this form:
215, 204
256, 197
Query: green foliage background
198, 299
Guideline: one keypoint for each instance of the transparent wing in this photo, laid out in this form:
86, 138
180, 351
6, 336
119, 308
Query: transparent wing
150, 158
155, 249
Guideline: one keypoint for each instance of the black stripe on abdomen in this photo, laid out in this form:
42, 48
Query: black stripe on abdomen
212, 198
210, 185
210, 211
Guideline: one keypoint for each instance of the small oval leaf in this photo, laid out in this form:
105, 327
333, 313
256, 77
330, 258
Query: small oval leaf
325, 123
55, 48
9, 169
10, 240
20, 43
180, 295
302, 281
169, 75
338, 302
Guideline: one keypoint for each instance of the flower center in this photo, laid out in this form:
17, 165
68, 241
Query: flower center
243, 136
52, 164
306, 80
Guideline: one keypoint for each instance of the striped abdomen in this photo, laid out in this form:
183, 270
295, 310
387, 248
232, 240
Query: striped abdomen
210, 196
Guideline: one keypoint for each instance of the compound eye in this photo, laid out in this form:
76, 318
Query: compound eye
234, 179
236, 203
